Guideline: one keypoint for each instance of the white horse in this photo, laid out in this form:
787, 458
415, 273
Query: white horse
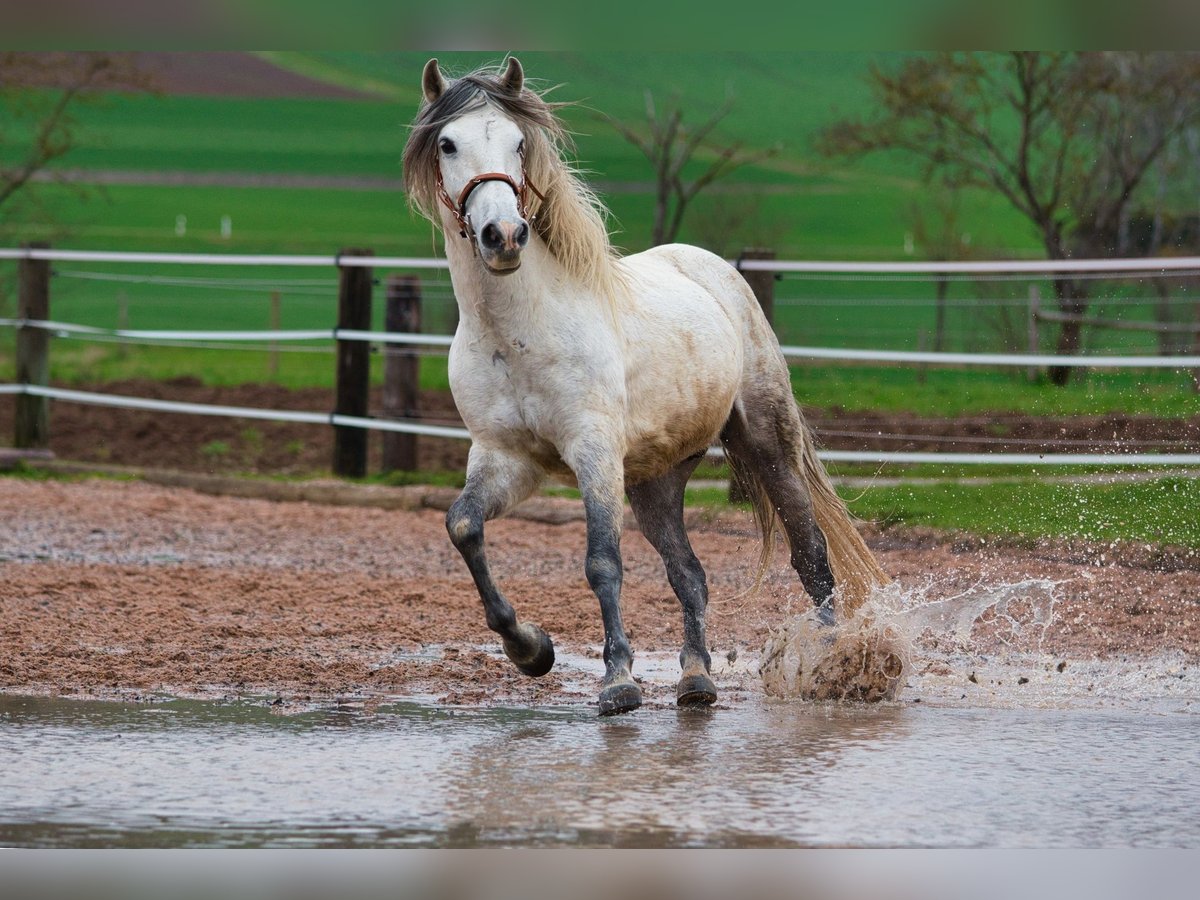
613, 374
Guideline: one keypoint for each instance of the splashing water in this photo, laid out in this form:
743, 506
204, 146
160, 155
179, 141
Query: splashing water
868, 657
1007, 613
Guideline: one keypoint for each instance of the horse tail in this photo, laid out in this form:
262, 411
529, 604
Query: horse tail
855, 570
750, 487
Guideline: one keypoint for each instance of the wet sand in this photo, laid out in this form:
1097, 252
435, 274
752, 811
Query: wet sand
128, 589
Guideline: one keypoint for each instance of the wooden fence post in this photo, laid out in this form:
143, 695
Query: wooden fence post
762, 283
353, 367
31, 425
401, 371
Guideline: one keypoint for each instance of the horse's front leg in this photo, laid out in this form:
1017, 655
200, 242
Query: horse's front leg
496, 482
601, 482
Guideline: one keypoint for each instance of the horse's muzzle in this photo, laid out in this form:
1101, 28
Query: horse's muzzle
501, 243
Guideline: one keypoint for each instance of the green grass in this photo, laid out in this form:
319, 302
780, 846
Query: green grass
1160, 512
1157, 512
952, 392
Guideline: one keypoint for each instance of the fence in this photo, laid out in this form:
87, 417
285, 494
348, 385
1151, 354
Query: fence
352, 336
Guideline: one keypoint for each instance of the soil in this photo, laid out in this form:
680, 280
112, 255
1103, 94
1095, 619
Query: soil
230, 73
111, 588
217, 73
224, 445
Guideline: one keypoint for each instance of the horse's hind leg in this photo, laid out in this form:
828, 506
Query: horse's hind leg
658, 505
496, 482
760, 437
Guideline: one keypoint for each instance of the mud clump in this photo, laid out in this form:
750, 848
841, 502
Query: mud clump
857, 661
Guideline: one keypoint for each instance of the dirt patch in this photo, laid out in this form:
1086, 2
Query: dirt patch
229, 73
221, 73
107, 587
227, 445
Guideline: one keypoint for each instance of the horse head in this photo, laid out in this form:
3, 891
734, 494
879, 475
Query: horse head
481, 174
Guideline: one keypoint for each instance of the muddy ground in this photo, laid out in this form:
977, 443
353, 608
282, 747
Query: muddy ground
224, 445
114, 588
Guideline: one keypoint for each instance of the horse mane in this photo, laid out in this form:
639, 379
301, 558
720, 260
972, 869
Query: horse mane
571, 220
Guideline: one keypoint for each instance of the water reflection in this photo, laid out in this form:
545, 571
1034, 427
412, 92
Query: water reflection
203, 774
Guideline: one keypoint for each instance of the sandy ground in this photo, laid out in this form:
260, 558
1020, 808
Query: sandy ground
116, 588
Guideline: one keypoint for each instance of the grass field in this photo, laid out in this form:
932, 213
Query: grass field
1158, 512
825, 209
800, 204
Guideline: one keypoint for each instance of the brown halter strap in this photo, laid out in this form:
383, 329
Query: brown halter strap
459, 209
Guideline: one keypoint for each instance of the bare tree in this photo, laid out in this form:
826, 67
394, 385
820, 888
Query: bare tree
38, 94
1066, 138
670, 145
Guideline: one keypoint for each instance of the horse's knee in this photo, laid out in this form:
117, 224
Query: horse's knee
464, 525
603, 568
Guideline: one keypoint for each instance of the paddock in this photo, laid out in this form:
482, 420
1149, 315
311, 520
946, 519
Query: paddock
267, 640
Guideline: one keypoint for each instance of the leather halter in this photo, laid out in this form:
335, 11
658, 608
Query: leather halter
459, 209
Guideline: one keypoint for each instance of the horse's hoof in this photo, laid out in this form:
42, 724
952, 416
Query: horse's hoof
825, 614
695, 690
621, 697
532, 652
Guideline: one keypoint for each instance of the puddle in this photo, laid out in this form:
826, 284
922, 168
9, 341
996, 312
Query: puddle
182, 773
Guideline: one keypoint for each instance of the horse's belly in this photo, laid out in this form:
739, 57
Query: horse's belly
680, 390
657, 442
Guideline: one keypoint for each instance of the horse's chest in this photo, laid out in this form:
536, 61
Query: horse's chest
508, 396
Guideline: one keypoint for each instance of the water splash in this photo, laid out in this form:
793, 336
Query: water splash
868, 657
1012, 614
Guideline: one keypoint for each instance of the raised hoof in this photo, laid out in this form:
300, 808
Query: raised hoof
533, 652
695, 690
621, 697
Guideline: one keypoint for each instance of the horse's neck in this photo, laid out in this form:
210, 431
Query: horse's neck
506, 307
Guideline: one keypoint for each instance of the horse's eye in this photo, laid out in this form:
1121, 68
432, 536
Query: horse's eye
446, 145
521, 148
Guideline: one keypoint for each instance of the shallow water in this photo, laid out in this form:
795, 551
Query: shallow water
190, 773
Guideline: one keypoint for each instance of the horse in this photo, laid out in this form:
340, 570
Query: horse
611, 373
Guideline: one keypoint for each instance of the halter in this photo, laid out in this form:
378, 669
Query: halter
459, 209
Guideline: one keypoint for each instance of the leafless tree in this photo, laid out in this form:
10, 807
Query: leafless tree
671, 145
1067, 138
38, 94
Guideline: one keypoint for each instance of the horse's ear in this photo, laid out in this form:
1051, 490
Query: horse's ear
432, 82
513, 78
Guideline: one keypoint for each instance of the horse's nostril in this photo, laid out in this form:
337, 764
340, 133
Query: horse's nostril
491, 237
521, 235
